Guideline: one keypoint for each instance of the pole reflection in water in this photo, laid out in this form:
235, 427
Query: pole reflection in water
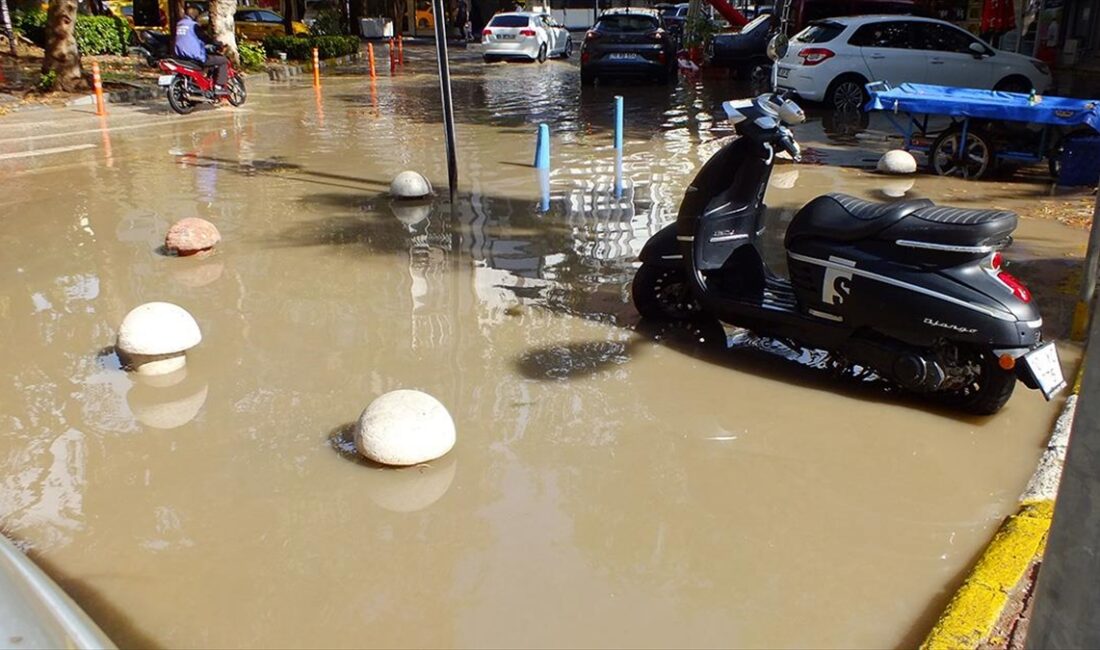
320, 106
544, 190
106, 141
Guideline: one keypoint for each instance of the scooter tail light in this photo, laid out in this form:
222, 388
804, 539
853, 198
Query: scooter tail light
1017, 287
995, 261
815, 55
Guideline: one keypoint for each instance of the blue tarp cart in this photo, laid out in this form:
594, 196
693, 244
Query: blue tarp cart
986, 127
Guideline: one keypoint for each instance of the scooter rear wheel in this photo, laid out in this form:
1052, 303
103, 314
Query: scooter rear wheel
989, 390
662, 293
177, 96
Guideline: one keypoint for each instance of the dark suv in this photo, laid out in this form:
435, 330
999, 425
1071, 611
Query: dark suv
628, 43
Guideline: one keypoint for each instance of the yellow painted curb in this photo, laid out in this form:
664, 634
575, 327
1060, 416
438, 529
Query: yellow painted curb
977, 606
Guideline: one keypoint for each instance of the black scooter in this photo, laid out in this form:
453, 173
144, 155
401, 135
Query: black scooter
912, 291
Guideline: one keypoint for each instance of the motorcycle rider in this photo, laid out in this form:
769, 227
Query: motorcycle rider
190, 44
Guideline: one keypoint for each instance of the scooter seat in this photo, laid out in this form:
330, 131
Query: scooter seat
839, 217
188, 63
842, 218
940, 227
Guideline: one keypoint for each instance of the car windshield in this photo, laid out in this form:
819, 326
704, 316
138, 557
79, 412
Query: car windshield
820, 33
509, 21
627, 23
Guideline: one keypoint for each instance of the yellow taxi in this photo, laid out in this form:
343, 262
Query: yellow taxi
256, 23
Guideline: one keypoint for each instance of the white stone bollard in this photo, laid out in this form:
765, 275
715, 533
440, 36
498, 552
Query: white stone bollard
405, 427
897, 161
410, 185
153, 338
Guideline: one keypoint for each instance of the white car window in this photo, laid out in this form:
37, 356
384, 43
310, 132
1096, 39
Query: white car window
893, 34
943, 38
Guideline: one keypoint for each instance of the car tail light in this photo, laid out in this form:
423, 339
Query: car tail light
591, 35
526, 32
661, 57
487, 32
815, 55
585, 57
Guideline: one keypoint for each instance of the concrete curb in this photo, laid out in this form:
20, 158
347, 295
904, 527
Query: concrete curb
973, 613
283, 72
130, 95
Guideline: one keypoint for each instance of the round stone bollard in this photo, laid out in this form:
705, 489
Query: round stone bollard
897, 161
410, 185
405, 427
191, 235
153, 338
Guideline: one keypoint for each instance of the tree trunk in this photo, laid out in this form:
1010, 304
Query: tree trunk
61, 55
8, 31
288, 16
221, 21
175, 14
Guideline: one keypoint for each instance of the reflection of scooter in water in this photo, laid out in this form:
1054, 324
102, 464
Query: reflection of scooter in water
912, 291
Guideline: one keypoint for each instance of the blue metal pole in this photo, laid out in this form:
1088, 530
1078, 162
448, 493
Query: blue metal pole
619, 123
542, 148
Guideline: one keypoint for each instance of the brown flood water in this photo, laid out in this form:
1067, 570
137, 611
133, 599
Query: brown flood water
605, 490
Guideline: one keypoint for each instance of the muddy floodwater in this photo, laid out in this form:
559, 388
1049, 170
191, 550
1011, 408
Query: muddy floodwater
606, 489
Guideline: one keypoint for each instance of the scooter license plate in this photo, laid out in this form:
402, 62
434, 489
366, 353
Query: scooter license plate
1045, 368
165, 79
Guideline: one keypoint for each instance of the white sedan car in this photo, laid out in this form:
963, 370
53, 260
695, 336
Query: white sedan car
522, 35
832, 60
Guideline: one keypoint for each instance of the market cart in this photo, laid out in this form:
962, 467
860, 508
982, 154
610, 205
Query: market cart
986, 127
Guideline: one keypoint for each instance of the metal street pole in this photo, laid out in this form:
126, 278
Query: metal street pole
1088, 277
445, 91
1067, 594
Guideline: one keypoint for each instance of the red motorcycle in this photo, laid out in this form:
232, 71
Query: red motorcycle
190, 83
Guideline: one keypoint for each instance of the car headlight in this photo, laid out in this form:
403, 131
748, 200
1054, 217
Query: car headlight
1043, 68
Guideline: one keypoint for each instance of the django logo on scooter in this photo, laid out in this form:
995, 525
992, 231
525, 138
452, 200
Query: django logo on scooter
911, 291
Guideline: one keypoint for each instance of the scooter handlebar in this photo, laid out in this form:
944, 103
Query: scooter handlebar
790, 145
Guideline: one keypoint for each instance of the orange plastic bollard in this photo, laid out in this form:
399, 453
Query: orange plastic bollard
97, 83
370, 57
393, 56
400, 50
316, 69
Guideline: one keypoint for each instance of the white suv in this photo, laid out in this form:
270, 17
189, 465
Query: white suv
831, 60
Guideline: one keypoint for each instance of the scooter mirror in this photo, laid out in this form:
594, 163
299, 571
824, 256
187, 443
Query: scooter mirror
777, 47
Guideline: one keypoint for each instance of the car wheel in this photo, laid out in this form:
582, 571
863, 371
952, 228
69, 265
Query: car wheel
542, 53
1014, 85
568, 51
847, 93
950, 156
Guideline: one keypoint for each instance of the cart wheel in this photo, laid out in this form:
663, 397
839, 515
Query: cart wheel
969, 160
